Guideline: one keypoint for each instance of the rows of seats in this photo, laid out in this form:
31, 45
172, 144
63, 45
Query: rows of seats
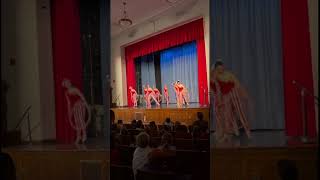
187, 163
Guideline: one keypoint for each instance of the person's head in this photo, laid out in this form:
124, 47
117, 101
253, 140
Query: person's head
152, 124
177, 123
178, 82
134, 122
166, 139
200, 116
139, 124
287, 170
123, 130
167, 120
219, 67
66, 83
142, 140
130, 87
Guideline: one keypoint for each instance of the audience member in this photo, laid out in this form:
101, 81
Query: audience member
139, 125
141, 153
201, 123
134, 124
166, 142
168, 123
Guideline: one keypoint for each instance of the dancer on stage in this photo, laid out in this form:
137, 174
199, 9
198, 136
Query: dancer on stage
182, 94
157, 94
146, 96
134, 96
229, 103
166, 94
77, 108
151, 95
176, 90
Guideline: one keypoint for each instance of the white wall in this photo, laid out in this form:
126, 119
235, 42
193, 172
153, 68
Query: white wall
186, 12
313, 25
25, 37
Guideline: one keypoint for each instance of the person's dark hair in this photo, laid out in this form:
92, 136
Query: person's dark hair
200, 115
166, 139
168, 120
153, 125
287, 170
139, 124
218, 63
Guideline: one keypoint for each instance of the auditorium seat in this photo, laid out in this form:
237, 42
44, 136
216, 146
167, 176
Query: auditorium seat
182, 143
155, 141
126, 155
7, 168
128, 126
156, 175
125, 139
134, 132
182, 134
120, 172
196, 163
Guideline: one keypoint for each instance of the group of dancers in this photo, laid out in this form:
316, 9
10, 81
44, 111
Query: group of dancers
154, 94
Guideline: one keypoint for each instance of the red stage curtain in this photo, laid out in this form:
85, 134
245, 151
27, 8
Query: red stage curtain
297, 65
192, 31
67, 61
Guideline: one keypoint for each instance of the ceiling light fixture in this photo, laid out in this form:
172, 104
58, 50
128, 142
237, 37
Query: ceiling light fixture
125, 21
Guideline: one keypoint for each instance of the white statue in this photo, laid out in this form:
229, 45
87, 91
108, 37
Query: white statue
77, 108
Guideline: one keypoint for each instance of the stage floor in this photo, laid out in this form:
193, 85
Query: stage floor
164, 106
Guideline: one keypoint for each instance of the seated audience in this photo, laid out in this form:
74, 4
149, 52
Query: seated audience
152, 129
201, 123
139, 125
166, 142
114, 151
168, 123
124, 131
119, 124
134, 124
141, 153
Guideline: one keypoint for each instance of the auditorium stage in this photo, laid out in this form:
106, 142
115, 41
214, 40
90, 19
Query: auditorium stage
186, 115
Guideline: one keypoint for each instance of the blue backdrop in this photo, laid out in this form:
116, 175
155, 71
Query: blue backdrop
246, 35
180, 63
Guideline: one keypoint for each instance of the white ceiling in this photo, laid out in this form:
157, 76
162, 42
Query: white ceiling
138, 11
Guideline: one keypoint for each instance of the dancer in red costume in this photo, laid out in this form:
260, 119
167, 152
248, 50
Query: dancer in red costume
166, 94
146, 96
229, 103
157, 94
151, 95
176, 90
134, 96
77, 108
